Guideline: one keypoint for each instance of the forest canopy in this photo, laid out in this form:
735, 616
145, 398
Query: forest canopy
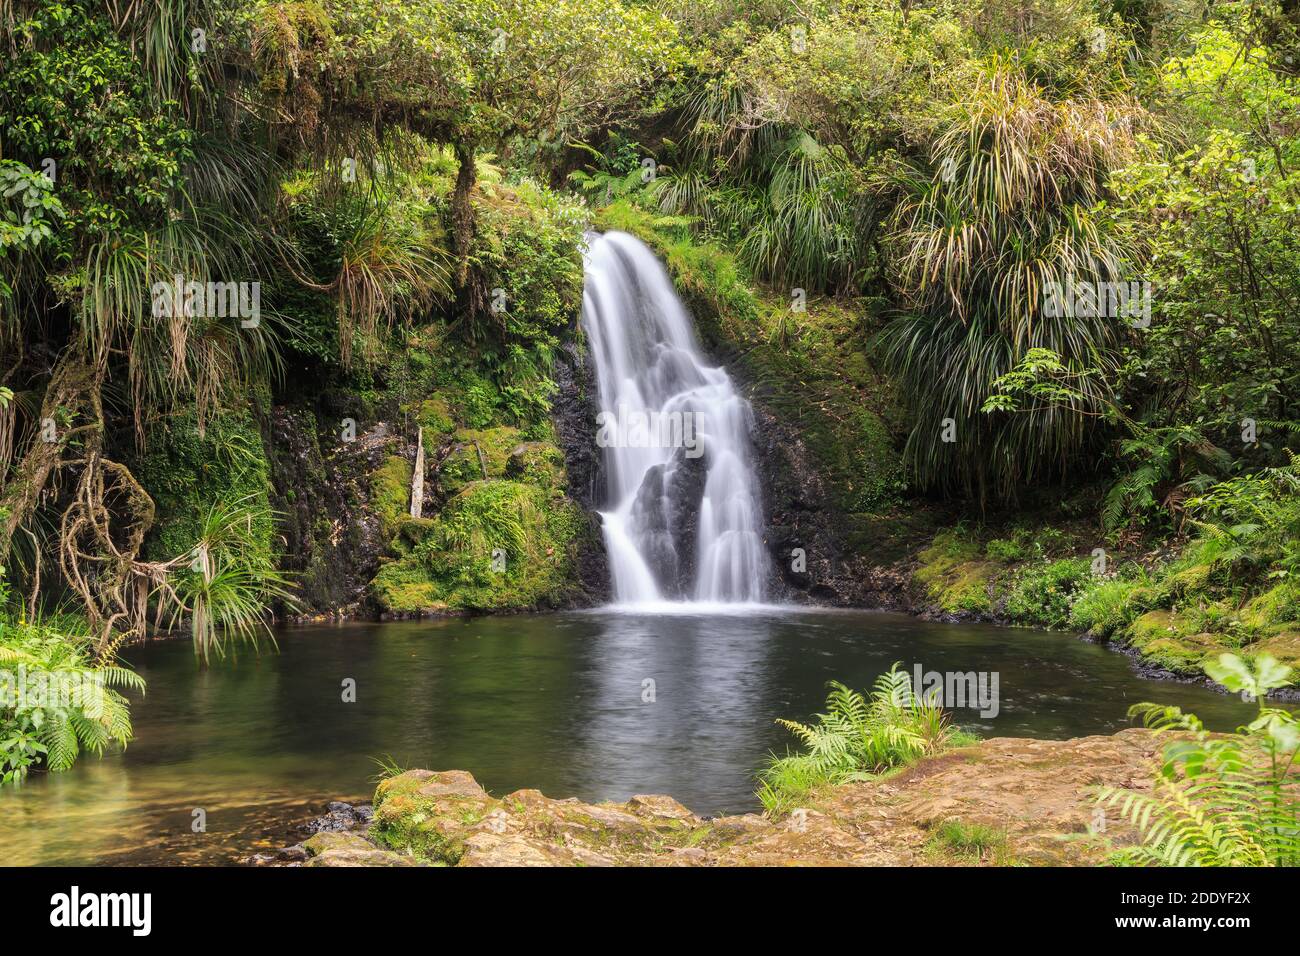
1070, 228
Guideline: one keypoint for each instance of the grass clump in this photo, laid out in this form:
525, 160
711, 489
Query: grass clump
970, 842
857, 738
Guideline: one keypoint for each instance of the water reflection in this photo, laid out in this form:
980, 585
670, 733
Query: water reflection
554, 702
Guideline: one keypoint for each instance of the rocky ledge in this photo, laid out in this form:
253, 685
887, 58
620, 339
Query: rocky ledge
1001, 801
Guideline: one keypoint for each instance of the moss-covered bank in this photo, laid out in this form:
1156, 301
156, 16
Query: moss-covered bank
1165, 607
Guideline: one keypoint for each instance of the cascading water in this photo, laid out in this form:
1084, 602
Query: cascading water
683, 519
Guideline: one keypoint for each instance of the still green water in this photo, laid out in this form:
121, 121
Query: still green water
555, 702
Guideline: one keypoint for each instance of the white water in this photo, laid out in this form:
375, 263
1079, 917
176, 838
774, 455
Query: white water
648, 363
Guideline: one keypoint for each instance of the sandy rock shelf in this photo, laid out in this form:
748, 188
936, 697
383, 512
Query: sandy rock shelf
1033, 794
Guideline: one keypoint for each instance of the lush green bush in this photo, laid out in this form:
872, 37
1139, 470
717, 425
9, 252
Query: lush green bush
1044, 593
56, 701
1104, 606
1006, 550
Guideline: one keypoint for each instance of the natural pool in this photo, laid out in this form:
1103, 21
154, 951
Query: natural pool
555, 702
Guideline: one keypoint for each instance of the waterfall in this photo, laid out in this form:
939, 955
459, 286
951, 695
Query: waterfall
683, 520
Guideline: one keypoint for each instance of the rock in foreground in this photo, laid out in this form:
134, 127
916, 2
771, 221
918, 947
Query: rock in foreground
1028, 798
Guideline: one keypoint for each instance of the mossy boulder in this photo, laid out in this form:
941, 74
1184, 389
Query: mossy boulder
428, 815
1280, 605
952, 574
496, 545
435, 416
390, 493
537, 463
477, 454
1285, 646
1167, 640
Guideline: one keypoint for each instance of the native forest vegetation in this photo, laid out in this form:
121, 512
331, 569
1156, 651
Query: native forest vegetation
1030, 267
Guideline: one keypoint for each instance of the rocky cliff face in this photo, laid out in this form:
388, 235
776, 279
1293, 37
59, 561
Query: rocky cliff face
342, 498
573, 410
332, 538
821, 553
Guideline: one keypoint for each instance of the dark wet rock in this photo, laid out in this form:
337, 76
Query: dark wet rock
684, 490
341, 817
332, 540
648, 522
573, 412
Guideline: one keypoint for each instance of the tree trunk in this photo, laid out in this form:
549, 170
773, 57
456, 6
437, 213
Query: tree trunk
462, 212
71, 385
417, 476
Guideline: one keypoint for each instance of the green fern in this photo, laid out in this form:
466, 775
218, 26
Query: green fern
1219, 801
69, 706
858, 737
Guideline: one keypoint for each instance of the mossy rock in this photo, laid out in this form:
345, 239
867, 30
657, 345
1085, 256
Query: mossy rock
952, 574
537, 463
435, 417
428, 815
404, 587
415, 530
1168, 640
390, 493
1151, 626
1175, 655
1277, 606
496, 545
328, 840
1285, 646
477, 454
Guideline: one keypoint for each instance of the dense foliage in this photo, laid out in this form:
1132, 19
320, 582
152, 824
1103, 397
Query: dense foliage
1219, 800
211, 209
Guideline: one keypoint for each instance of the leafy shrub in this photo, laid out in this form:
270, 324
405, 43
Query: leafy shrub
1108, 605
856, 738
1219, 801
55, 701
228, 580
1044, 594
